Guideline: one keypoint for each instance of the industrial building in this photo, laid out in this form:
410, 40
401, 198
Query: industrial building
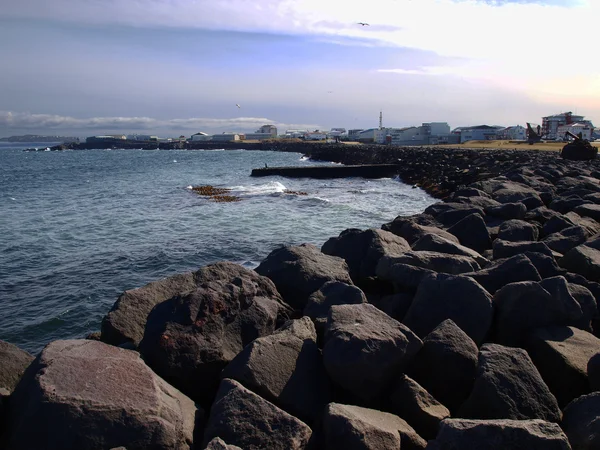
104, 138
225, 137
575, 128
514, 133
478, 133
201, 137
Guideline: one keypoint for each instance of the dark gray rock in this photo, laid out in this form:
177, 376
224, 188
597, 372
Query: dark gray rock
566, 239
84, 394
459, 434
219, 444
529, 197
395, 306
348, 427
459, 298
242, 418
566, 204
405, 277
285, 368
414, 404
447, 364
195, 336
125, 322
362, 250
541, 215
593, 372
556, 224
508, 386
582, 260
590, 225
455, 215
561, 354
518, 230
472, 232
437, 262
434, 243
591, 210
546, 265
482, 202
331, 293
523, 306
298, 271
504, 271
13, 362
365, 349
515, 210
506, 249
587, 302
581, 422
470, 192
410, 229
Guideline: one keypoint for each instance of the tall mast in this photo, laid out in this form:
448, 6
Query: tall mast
380, 120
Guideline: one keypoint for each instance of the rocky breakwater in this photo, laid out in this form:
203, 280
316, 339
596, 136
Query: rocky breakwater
473, 325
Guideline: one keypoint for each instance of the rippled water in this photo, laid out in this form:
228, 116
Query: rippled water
79, 227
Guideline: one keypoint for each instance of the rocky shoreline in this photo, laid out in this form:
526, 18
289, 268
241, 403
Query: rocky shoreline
473, 325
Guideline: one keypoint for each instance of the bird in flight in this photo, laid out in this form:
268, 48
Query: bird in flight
363, 24
237, 104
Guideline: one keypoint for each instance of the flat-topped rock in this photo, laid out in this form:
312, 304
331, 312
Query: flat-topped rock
13, 362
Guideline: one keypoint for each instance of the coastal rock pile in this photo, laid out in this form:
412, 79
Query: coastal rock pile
471, 326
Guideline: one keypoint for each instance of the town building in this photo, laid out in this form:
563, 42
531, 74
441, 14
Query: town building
267, 129
514, 133
337, 132
316, 136
550, 124
479, 133
104, 138
141, 137
201, 137
575, 128
295, 133
354, 133
226, 137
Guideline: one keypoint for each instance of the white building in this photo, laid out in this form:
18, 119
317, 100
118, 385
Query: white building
315, 136
337, 132
201, 137
370, 135
267, 129
226, 137
550, 124
258, 136
295, 133
575, 128
478, 133
514, 133
141, 137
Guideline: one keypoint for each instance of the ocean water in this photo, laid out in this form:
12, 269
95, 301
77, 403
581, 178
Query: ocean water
77, 228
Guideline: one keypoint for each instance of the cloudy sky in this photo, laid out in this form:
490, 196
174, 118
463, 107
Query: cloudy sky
174, 67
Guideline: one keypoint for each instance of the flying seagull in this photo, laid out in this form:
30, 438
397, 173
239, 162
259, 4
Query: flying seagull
363, 24
237, 104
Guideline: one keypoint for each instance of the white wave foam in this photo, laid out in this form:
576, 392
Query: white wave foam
304, 158
273, 187
190, 187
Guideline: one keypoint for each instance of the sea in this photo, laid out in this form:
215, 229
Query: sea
79, 227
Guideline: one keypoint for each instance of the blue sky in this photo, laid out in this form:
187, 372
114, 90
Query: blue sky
175, 67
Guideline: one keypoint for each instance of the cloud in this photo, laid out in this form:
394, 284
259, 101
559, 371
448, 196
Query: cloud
40, 122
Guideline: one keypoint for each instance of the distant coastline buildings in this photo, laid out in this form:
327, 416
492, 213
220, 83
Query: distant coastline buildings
554, 127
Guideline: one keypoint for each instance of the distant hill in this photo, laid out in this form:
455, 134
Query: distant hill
39, 138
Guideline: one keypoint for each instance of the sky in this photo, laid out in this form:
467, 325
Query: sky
178, 67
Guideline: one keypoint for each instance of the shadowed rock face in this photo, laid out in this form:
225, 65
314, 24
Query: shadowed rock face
190, 339
242, 418
298, 271
499, 434
13, 362
365, 349
87, 395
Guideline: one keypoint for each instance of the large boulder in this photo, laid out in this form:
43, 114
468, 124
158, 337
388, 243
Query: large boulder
458, 434
516, 210
348, 427
504, 271
526, 305
579, 150
125, 322
242, 418
193, 337
404, 277
508, 386
437, 262
447, 364
518, 230
440, 297
507, 249
561, 354
298, 271
219, 444
13, 362
434, 243
365, 349
331, 293
285, 368
362, 250
85, 394
581, 422
472, 232
409, 400
564, 240
583, 260
410, 229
